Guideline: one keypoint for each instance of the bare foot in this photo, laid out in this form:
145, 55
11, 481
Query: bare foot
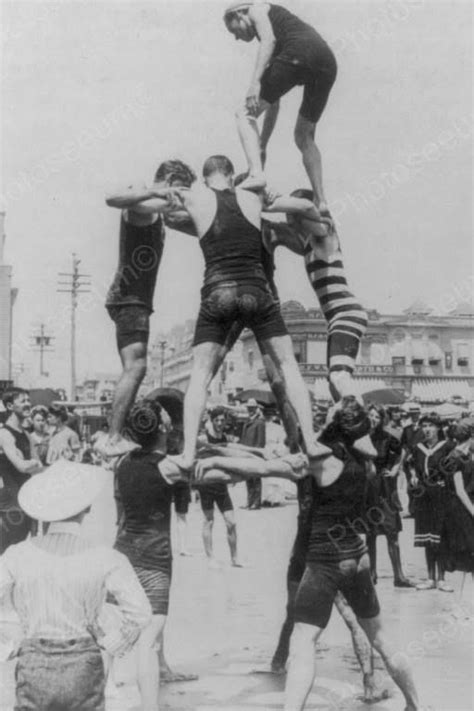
185, 553
236, 563
318, 451
114, 447
372, 693
180, 461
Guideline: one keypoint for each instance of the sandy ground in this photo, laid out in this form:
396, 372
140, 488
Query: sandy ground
223, 624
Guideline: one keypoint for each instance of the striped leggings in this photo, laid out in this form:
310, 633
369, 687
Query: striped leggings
346, 319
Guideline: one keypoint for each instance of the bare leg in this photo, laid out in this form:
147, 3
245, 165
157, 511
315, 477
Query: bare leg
181, 530
371, 540
304, 138
395, 663
148, 663
207, 527
134, 364
362, 651
281, 351
247, 127
231, 526
206, 356
302, 666
269, 122
399, 579
283, 648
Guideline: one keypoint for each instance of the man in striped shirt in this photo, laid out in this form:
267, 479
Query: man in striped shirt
58, 584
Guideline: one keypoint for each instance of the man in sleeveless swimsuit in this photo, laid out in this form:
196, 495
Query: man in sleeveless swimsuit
336, 557
130, 298
228, 223
17, 464
291, 53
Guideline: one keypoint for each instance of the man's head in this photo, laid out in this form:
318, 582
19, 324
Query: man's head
174, 173
218, 168
58, 415
252, 407
238, 22
16, 401
217, 417
414, 412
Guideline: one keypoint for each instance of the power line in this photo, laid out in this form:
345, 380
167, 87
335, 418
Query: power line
74, 285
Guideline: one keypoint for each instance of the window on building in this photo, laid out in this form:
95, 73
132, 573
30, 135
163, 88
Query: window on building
251, 359
417, 367
448, 361
231, 366
399, 364
463, 354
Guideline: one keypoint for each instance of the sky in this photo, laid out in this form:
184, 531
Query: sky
96, 94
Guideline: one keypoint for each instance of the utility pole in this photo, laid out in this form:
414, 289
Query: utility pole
74, 283
42, 345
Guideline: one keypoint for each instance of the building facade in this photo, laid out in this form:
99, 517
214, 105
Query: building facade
425, 356
7, 299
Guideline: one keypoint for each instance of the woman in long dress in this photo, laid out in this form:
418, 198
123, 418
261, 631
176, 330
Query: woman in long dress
382, 503
430, 499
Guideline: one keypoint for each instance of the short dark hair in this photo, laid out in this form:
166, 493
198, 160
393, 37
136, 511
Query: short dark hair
350, 423
217, 164
173, 170
59, 411
431, 418
216, 412
10, 395
143, 422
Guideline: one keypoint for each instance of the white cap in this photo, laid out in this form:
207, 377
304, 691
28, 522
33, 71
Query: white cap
61, 491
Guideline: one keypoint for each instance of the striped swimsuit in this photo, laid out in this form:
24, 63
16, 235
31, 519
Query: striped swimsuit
346, 319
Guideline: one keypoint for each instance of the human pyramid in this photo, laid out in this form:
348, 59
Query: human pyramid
226, 213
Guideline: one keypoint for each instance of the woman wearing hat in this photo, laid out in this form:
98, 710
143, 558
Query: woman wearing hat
430, 497
58, 584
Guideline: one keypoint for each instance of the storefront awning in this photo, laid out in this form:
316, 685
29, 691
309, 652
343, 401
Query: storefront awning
441, 389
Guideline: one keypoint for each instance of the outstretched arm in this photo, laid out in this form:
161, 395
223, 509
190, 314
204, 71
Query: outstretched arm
139, 199
295, 206
291, 467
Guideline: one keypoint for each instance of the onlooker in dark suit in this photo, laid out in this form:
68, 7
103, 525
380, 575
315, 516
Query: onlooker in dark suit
253, 435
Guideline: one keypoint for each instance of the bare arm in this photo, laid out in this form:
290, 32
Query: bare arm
140, 199
252, 467
294, 205
462, 493
24, 466
263, 27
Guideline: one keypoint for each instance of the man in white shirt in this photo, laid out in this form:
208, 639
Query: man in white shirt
58, 584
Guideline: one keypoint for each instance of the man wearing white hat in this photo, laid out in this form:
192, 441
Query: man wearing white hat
58, 584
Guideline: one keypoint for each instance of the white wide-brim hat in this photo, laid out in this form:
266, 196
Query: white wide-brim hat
61, 491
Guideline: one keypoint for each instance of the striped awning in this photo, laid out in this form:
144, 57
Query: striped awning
441, 389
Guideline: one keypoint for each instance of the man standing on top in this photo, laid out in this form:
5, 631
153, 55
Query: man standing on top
291, 53
253, 435
130, 298
16, 466
228, 223
217, 493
